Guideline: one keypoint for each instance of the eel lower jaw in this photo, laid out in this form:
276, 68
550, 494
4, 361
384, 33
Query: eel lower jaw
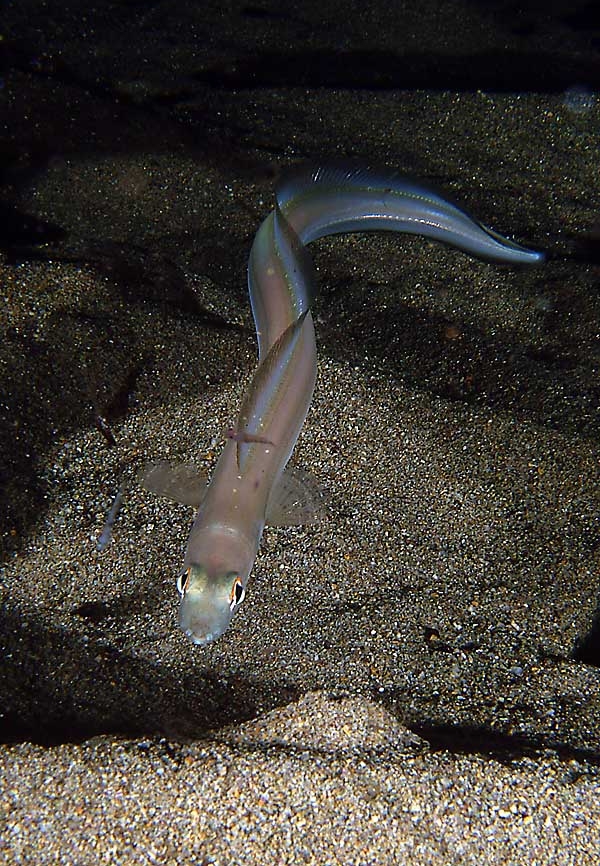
201, 641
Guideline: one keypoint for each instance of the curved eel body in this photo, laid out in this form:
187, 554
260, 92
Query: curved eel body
249, 478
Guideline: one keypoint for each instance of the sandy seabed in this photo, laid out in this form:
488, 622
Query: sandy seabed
416, 678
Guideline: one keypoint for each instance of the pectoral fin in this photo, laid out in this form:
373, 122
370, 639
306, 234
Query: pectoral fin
180, 482
295, 500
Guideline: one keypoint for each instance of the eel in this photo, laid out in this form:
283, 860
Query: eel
250, 485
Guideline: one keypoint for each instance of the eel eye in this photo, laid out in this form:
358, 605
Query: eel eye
237, 594
182, 581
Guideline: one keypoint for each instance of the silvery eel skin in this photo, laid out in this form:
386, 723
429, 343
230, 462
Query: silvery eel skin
249, 480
